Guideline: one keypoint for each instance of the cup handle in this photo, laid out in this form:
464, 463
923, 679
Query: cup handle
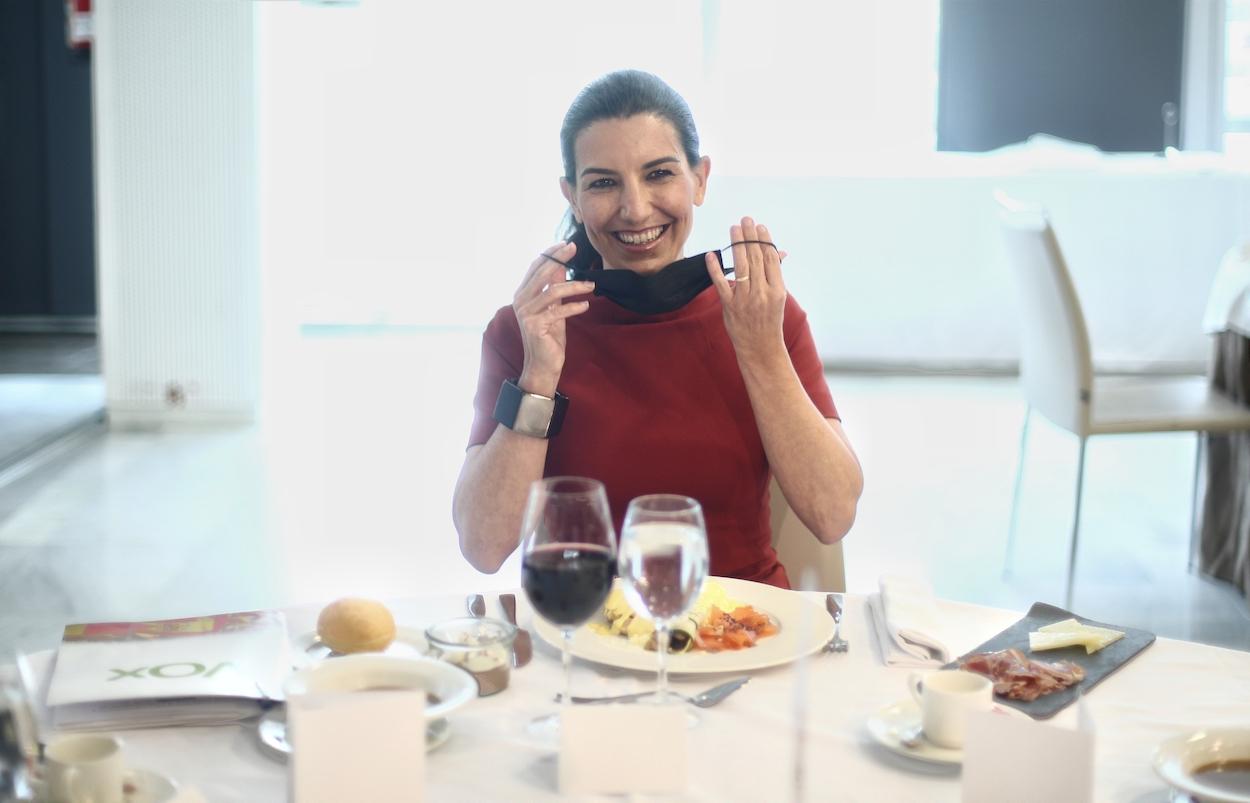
915, 685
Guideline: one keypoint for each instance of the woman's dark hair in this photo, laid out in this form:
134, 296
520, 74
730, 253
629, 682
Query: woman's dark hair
619, 95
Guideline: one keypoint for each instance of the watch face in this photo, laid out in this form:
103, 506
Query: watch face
533, 416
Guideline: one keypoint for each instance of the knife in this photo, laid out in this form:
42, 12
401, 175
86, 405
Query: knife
523, 646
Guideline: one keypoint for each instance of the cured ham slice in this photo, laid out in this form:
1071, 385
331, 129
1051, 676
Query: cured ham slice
1018, 677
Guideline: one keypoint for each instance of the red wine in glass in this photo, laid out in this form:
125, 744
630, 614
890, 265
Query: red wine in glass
566, 583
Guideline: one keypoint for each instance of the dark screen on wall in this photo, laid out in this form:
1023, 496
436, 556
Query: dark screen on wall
1096, 71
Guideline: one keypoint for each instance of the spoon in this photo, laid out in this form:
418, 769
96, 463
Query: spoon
704, 699
911, 736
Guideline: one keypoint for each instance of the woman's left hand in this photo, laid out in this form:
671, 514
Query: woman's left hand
754, 302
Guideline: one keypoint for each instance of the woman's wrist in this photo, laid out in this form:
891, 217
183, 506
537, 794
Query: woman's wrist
763, 357
542, 383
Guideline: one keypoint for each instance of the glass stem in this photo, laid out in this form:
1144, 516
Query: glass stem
661, 646
566, 658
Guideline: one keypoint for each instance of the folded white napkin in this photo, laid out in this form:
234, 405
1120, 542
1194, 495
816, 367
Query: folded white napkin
906, 623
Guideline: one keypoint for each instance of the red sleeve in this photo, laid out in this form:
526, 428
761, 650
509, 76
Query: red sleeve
806, 361
502, 355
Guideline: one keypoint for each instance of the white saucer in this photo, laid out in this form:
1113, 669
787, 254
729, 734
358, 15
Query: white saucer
904, 715
272, 733
139, 786
1176, 759
408, 643
145, 786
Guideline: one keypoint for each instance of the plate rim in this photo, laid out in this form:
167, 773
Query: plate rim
465, 695
1168, 763
820, 618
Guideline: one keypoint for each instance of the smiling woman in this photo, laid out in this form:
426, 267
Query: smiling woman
671, 377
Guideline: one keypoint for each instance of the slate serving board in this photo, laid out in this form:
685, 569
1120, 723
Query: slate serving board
1097, 666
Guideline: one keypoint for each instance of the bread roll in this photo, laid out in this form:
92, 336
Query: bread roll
356, 625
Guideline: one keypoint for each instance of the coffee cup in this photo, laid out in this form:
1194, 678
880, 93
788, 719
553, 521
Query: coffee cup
946, 697
83, 768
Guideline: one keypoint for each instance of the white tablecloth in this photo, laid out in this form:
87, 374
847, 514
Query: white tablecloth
743, 749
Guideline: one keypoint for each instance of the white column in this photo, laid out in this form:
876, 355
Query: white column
176, 210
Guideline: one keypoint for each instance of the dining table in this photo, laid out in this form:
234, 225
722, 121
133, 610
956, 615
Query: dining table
812, 710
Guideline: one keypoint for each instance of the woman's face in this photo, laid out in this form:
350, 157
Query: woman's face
634, 191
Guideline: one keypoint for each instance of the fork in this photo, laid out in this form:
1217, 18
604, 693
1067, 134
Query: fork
837, 643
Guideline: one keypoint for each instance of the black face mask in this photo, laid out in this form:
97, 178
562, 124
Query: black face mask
670, 288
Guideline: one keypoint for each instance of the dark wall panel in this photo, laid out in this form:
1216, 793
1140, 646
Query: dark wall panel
1095, 71
68, 169
47, 227
22, 197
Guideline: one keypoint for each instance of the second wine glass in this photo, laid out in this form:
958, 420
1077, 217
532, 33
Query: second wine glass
662, 562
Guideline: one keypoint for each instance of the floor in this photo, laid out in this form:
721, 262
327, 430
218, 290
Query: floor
345, 486
49, 386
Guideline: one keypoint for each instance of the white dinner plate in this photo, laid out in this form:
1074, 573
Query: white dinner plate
803, 628
408, 643
1177, 759
896, 718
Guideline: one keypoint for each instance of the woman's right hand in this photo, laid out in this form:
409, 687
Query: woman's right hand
541, 312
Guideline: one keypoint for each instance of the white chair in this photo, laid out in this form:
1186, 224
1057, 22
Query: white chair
1057, 375
798, 550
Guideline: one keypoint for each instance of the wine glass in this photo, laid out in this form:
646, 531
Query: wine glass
568, 560
662, 564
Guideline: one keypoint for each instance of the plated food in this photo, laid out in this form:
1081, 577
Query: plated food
715, 622
1021, 659
803, 627
1018, 677
1071, 633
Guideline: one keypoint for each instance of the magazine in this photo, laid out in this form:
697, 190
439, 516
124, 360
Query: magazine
200, 670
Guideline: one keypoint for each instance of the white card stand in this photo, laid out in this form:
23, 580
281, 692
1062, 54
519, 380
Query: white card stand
357, 746
1018, 759
624, 749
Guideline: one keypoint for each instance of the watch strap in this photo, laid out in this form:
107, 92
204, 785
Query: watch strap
529, 413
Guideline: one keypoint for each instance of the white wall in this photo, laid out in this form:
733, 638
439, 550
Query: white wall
410, 163
175, 155
903, 265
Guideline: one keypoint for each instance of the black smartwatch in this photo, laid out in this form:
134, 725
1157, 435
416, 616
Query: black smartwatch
528, 413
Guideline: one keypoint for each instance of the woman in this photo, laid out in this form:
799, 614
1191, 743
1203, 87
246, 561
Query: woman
672, 378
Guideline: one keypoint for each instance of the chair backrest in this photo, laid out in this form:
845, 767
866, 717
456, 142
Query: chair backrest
1056, 369
798, 549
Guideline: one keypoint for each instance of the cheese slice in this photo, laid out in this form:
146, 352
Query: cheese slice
1071, 633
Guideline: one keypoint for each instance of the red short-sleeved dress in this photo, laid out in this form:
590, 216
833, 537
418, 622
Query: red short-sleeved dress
657, 404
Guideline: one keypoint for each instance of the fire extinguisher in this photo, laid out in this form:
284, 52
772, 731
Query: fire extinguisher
78, 24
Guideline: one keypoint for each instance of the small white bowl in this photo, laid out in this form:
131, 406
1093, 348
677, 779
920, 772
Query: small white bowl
1177, 759
453, 687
